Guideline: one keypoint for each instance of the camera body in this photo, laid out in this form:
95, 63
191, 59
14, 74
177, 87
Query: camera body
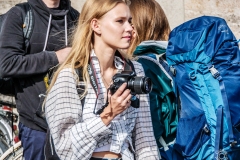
137, 85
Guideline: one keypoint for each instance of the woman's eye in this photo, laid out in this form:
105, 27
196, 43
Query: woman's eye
120, 21
130, 20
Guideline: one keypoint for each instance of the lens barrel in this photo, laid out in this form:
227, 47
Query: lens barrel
137, 85
140, 85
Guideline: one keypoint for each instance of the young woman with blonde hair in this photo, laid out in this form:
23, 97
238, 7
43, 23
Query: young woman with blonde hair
80, 131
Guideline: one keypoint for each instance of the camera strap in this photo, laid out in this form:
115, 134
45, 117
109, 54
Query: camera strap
128, 65
92, 76
94, 83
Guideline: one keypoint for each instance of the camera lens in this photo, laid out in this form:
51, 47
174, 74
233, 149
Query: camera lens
147, 85
140, 85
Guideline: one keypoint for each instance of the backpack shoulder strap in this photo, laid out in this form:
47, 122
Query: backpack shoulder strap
28, 19
74, 13
80, 87
2, 18
27, 16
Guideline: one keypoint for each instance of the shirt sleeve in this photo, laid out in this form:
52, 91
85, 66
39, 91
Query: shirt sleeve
72, 137
144, 140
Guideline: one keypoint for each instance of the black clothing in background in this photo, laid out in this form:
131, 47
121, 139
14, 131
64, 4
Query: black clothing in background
28, 66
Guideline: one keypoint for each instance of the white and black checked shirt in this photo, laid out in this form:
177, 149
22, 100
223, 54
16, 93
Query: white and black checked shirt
76, 134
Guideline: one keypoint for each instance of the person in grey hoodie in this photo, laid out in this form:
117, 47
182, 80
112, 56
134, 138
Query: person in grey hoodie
27, 64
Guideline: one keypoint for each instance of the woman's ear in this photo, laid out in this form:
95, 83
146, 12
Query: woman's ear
95, 26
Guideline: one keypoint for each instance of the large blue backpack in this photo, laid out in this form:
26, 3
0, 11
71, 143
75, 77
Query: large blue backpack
206, 58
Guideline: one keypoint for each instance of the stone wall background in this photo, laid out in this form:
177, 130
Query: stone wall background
229, 10
178, 11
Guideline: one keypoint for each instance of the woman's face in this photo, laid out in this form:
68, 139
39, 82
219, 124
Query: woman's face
115, 27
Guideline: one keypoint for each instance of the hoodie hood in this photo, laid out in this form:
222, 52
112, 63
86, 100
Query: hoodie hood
40, 7
55, 18
151, 46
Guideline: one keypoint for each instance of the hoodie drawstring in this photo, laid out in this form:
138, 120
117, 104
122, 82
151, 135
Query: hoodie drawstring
48, 30
46, 77
66, 38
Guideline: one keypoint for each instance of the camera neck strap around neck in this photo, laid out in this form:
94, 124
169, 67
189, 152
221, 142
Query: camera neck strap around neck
93, 79
128, 65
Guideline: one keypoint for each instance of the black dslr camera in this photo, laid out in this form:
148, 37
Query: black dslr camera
137, 85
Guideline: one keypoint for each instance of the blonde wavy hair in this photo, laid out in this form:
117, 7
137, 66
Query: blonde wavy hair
83, 38
149, 22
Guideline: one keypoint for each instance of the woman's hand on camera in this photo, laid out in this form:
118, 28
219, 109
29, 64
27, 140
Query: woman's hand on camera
118, 102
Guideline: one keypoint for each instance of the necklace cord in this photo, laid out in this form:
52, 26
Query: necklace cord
108, 85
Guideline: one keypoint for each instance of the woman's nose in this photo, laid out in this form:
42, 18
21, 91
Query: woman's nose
129, 27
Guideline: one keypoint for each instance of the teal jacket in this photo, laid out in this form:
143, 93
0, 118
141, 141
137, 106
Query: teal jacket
162, 98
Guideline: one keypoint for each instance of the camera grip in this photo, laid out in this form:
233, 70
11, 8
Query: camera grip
135, 103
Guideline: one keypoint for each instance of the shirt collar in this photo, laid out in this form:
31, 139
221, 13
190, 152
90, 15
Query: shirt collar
118, 61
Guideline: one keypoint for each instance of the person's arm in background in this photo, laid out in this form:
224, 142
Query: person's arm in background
14, 62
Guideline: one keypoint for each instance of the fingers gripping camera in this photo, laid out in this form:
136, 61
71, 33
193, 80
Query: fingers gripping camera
137, 85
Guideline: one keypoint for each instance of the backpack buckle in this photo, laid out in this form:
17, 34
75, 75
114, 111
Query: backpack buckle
206, 129
233, 143
214, 71
173, 70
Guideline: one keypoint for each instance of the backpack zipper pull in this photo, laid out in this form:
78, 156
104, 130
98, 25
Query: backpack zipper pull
214, 71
